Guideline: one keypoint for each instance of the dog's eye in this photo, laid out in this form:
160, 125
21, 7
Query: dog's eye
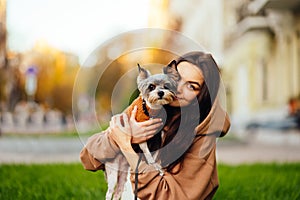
151, 87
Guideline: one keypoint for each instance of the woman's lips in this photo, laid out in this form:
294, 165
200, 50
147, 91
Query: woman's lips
178, 98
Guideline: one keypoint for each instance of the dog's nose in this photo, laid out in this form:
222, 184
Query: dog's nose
160, 94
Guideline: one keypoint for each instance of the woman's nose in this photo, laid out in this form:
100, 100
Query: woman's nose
179, 87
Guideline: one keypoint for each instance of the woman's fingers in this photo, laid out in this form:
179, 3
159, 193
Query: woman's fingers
144, 127
151, 122
141, 134
133, 113
142, 131
126, 121
142, 138
152, 127
112, 122
150, 134
120, 131
121, 121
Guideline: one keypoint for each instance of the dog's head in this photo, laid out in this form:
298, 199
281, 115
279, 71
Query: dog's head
158, 89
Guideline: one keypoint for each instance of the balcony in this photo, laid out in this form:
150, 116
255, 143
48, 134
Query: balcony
247, 24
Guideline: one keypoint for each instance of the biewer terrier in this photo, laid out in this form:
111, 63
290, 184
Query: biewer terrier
155, 91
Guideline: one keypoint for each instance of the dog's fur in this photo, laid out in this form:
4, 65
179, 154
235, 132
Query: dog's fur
155, 91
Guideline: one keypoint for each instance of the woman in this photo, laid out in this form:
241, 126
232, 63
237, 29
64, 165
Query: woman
188, 145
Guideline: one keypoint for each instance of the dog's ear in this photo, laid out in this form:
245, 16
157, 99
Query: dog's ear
171, 70
143, 73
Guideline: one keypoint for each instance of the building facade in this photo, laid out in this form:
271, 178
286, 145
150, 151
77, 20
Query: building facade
2, 33
262, 58
257, 46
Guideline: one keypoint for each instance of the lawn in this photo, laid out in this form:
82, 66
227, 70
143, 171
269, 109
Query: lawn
71, 181
55, 181
259, 181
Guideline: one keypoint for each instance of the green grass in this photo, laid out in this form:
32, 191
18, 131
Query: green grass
55, 181
71, 181
259, 181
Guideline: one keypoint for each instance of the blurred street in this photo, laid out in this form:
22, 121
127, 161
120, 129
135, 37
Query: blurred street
261, 147
39, 149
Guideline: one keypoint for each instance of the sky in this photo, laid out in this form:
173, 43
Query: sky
75, 26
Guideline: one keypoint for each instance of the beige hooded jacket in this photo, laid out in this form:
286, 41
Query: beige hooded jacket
197, 176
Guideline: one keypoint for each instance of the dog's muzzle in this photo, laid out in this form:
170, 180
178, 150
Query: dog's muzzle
160, 94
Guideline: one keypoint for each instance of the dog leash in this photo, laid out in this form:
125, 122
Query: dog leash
136, 177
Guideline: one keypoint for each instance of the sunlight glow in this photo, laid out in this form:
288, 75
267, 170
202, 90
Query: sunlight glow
72, 25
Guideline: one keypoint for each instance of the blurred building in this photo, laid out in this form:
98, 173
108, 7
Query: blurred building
201, 21
55, 74
8, 67
262, 57
2, 50
257, 46
2, 33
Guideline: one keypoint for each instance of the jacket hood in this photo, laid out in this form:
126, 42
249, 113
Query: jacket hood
217, 122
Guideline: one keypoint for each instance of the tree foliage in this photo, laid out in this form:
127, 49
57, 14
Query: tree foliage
56, 72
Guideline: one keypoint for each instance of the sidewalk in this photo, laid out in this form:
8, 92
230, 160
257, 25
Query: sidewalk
256, 152
260, 146
41, 149
45, 149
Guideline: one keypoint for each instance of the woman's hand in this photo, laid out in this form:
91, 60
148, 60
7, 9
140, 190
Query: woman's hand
120, 131
142, 131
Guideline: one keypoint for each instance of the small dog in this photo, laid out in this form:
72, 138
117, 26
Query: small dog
155, 91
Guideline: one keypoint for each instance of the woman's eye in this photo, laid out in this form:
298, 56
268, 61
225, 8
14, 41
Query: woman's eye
151, 87
190, 86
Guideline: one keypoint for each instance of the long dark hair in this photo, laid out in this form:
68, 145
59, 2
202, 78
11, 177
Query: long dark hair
181, 122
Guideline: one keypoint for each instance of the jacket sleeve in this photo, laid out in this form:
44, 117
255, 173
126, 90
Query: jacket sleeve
98, 149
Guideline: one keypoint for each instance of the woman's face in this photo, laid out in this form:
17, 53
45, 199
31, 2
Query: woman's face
189, 85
